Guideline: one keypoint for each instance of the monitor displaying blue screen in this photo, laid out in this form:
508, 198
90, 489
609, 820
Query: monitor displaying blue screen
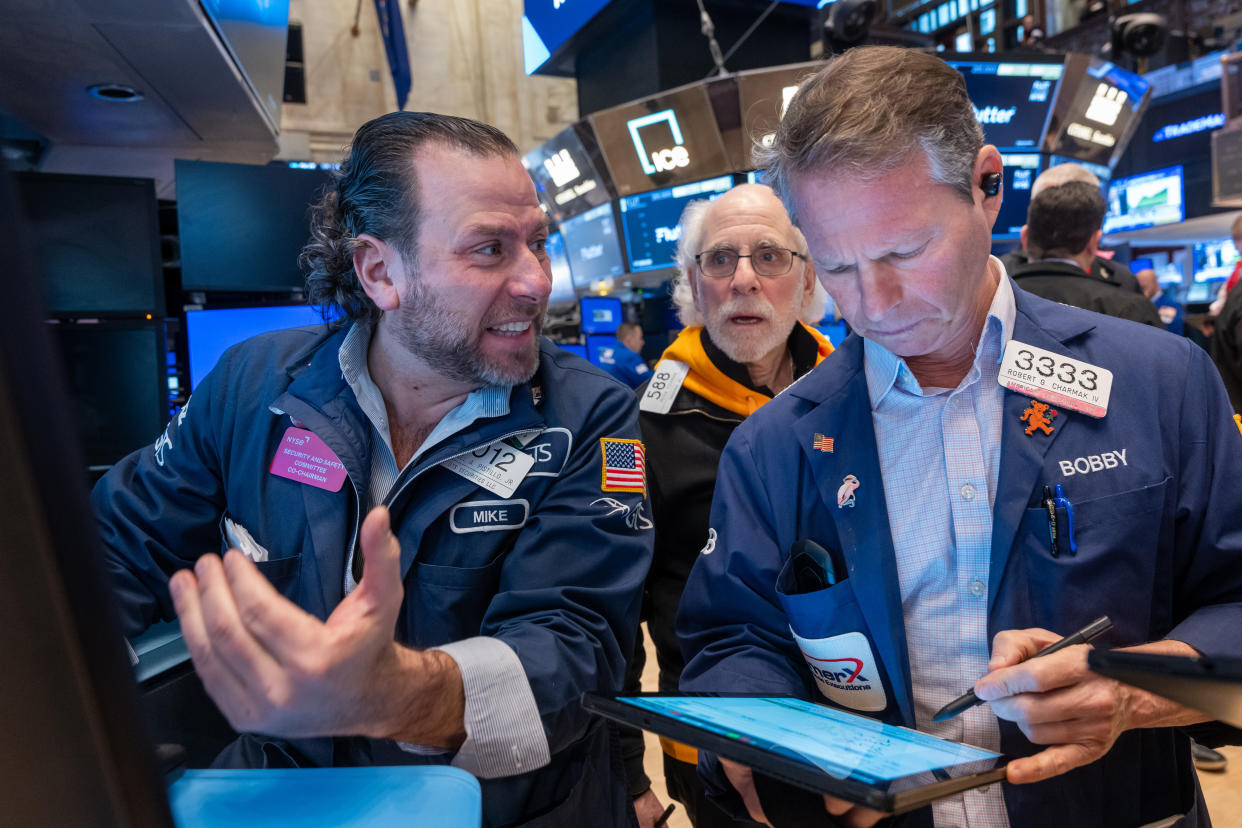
562, 282
1145, 200
547, 24
209, 333
600, 314
651, 221
592, 246
1021, 170
603, 344
1214, 260
1012, 100
580, 350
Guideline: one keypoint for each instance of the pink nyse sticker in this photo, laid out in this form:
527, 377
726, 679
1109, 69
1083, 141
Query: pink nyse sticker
305, 458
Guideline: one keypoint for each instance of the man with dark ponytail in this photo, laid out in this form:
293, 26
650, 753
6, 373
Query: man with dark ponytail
428, 466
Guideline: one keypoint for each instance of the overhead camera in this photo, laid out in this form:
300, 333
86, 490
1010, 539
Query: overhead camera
848, 23
1141, 35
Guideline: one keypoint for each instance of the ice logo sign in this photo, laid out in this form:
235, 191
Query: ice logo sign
659, 160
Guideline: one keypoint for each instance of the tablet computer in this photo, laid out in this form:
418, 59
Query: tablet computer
821, 749
1211, 685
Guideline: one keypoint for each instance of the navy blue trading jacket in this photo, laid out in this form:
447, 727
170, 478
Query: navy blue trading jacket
555, 573
1159, 547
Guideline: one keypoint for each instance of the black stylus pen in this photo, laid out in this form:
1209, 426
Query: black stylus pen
968, 700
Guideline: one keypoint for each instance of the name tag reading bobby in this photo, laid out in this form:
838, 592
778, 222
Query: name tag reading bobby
498, 467
1054, 378
663, 386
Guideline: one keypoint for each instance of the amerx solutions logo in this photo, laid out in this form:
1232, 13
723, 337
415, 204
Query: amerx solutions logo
665, 158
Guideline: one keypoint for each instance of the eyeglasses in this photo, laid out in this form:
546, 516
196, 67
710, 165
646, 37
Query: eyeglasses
766, 260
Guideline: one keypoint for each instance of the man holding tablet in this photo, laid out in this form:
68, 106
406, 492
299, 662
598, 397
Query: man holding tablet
976, 473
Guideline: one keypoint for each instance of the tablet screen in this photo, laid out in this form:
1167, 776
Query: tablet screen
842, 744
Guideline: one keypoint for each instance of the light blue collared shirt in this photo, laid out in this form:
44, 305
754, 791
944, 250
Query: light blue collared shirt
504, 734
940, 459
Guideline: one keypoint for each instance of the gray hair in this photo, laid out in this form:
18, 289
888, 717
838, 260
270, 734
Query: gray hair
1063, 174
868, 111
690, 244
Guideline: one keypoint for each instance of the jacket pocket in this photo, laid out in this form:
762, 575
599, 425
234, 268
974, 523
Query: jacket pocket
448, 603
280, 572
836, 645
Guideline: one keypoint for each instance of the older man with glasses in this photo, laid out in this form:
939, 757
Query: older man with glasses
747, 293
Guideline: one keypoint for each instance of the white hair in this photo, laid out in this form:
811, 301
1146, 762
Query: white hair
689, 245
1063, 174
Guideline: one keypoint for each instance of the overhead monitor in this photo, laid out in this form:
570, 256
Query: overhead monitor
118, 379
668, 139
562, 281
243, 226
1106, 104
764, 95
1020, 172
209, 333
1214, 260
601, 314
548, 24
1145, 200
566, 175
592, 246
1099, 170
97, 243
1012, 100
651, 221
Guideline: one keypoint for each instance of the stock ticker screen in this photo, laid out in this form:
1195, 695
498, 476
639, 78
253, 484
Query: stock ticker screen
1011, 100
592, 246
651, 221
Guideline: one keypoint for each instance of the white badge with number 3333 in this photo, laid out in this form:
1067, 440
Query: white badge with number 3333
1055, 378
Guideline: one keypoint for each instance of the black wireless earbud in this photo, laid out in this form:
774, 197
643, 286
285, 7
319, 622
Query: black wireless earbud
991, 184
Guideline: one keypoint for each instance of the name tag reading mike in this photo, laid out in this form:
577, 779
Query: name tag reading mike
1054, 378
497, 467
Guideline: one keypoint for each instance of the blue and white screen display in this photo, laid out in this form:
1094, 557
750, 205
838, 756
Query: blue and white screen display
1145, 200
209, 333
1021, 170
841, 744
651, 221
547, 24
1215, 260
592, 246
562, 282
1011, 100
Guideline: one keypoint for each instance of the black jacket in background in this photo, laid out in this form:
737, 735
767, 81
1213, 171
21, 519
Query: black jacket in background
1108, 269
1069, 285
1227, 347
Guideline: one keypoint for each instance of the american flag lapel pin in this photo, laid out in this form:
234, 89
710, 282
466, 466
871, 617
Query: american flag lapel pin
822, 443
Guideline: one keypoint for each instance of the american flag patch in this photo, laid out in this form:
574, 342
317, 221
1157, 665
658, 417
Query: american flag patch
624, 466
822, 443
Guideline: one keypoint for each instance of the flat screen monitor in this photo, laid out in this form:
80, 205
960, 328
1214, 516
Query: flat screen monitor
651, 221
97, 243
1020, 172
605, 343
118, 378
566, 176
1101, 171
209, 333
671, 138
562, 281
1106, 103
592, 246
601, 314
547, 24
242, 226
580, 350
1201, 292
1145, 200
1214, 260
1012, 100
